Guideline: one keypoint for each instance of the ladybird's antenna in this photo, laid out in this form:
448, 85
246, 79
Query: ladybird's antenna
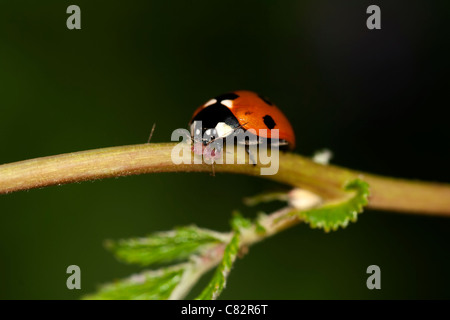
251, 157
151, 132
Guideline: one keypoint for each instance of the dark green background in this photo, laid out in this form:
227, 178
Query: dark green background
377, 99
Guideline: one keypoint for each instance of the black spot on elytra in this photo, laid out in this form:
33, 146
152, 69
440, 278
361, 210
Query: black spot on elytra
248, 113
226, 96
265, 99
268, 121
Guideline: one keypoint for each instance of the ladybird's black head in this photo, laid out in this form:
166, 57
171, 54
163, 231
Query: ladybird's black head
203, 125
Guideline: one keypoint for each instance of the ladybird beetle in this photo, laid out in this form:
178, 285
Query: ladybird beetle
223, 115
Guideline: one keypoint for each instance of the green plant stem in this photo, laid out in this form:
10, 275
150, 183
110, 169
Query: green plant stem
326, 180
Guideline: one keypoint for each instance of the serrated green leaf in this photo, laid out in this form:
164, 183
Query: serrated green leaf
165, 247
149, 285
331, 216
218, 281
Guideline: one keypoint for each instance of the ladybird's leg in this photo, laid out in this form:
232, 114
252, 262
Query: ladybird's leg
250, 155
247, 144
229, 144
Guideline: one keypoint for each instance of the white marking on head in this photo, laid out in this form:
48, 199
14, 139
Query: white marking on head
223, 129
227, 103
210, 102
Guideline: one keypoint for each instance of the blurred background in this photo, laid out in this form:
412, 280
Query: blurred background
377, 99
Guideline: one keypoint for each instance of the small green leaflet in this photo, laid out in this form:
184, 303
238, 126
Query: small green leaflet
331, 216
218, 281
149, 285
238, 222
165, 247
265, 197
